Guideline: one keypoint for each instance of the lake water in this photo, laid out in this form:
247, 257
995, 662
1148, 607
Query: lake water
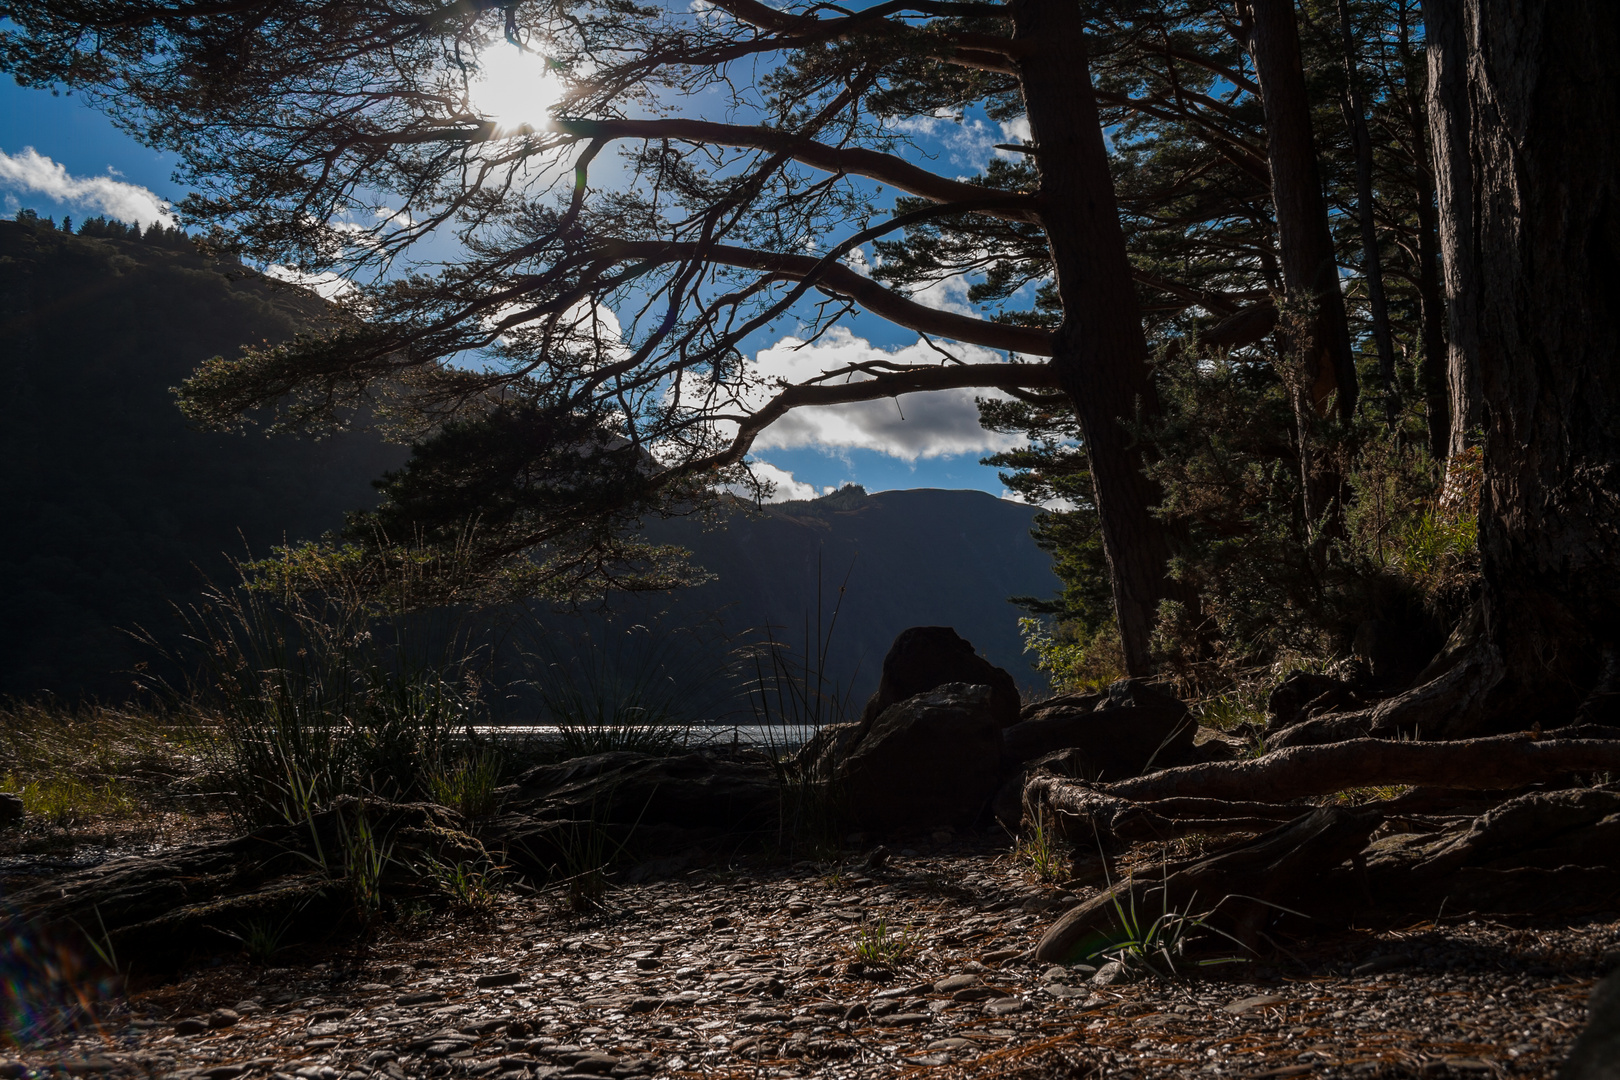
779, 736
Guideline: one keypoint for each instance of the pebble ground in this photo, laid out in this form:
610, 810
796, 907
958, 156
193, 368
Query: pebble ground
756, 971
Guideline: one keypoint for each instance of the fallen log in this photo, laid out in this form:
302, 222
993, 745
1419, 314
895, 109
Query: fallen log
1240, 887
157, 910
1502, 761
1084, 814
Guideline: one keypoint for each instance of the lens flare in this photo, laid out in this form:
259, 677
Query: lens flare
516, 88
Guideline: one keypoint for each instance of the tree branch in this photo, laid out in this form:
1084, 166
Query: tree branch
912, 381
840, 280
857, 161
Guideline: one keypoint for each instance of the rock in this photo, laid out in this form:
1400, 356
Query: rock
1106, 737
595, 1063
1006, 1006
499, 978
924, 658
224, 1018
933, 759
1596, 1054
1242, 1005
191, 1026
1303, 694
954, 983
1109, 973
633, 804
11, 808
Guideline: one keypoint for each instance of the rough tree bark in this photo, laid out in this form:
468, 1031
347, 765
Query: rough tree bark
1101, 356
1431, 292
1545, 154
1533, 244
1310, 271
1372, 262
1446, 48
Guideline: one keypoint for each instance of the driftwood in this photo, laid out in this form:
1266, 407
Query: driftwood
1503, 761
1497, 826
1240, 887
158, 910
1085, 815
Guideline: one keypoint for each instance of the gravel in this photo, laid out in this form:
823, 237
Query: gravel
755, 975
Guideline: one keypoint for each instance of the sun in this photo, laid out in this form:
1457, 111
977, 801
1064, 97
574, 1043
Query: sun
516, 88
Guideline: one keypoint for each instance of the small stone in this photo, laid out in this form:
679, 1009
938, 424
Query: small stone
596, 1064
224, 1072
648, 963
998, 955
906, 1019
937, 1058
763, 1016
954, 983
980, 993
1006, 1006
1381, 963
423, 997
12, 1070
1108, 974
719, 922
499, 978
394, 973
224, 1018
1242, 1005
191, 1026
798, 907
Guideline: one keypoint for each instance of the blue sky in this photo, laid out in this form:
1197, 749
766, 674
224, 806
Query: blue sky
82, 165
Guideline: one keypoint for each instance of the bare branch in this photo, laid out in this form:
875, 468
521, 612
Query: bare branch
856, 161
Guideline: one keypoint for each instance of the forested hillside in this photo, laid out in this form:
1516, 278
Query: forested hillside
117, 510
904, 558
114, 508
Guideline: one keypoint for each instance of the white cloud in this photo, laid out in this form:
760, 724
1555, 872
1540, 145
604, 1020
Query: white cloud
32, 171
1015, 131
947, 294
783, 487
934, 424
966, 142
327, 285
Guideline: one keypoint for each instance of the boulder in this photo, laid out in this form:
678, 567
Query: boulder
11, 809
925, 657
1112, 736
630, 804
932, 760
1596, 1054
1304, 694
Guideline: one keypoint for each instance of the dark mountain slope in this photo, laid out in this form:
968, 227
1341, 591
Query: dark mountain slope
113, 509
914, 557
112, 506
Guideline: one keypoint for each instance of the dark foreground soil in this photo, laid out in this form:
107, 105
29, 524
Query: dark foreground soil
755, 970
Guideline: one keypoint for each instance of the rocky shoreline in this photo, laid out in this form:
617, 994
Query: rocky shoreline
754, 969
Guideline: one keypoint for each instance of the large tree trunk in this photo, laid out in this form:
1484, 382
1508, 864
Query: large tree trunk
1102, 357
1431, 293
1545, 152
1310, 270
1540, 249
1372, 263
1446, 46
